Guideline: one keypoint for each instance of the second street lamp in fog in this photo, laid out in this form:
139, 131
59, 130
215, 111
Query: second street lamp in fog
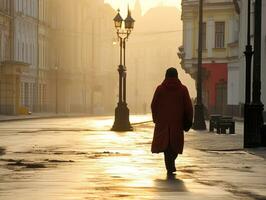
248, 55
123, 30
199, 121
56, 89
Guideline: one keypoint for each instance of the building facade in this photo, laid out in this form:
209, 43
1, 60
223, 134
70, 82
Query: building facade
43, 68
18, 55
7, 82
81, 53
5, 19
25, 49
53, 62
220, 52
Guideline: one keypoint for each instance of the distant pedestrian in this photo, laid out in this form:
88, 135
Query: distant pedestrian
172, 114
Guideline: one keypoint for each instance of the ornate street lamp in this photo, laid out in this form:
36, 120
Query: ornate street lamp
199, 121
248, 55
123, 30
56, 89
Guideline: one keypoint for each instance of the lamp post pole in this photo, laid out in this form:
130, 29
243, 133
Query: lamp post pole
121, 71
56, 90
248, 54
199, 121
125, 72
255, 110
122, 122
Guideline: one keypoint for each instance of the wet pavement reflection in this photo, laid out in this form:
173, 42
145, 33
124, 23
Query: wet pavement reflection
79, 158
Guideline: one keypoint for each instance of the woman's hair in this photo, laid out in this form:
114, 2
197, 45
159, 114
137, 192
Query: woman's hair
171, 73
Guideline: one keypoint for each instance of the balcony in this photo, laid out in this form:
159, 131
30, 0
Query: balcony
13, 67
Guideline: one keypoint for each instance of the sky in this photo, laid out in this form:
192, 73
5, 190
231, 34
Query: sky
146, 4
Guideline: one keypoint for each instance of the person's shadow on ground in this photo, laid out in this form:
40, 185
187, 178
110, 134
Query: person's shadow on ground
170, 184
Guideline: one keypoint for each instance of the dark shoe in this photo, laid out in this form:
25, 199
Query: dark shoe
174, 169
171, 176
170, 173
170, 168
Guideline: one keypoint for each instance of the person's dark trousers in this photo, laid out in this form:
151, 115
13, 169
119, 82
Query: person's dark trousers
169, 159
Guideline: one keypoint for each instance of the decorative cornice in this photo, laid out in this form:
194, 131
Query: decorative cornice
14, 63
207, 60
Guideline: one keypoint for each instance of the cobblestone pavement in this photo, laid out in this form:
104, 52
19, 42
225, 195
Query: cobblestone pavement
79, 158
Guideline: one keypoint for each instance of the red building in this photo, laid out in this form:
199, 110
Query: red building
215, 86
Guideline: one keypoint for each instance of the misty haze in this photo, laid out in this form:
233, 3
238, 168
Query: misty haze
67, 61
132, 99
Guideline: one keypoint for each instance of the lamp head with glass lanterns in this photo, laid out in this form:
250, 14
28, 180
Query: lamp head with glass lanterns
124, 27
129, 21
118, 20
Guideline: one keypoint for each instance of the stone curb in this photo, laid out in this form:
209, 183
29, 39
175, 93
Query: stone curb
40, 117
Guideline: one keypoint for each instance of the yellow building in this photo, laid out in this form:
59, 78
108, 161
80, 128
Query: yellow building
11, 69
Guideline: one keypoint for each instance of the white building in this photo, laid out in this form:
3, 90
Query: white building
234, 15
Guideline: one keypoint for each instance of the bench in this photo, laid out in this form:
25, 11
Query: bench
214, 122
221, 124
225, 123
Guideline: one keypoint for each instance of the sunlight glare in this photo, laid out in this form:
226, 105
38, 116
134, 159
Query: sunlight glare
145, 4
100, 124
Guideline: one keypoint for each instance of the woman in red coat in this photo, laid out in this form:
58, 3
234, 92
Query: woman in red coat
172, 113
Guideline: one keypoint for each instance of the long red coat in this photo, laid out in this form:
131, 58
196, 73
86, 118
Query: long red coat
171, 103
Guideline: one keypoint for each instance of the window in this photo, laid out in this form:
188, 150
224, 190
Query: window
26, 94
44, 93
219, 34
19, 5
22, 93
22, 52
7, 48
24, 7
204, 36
